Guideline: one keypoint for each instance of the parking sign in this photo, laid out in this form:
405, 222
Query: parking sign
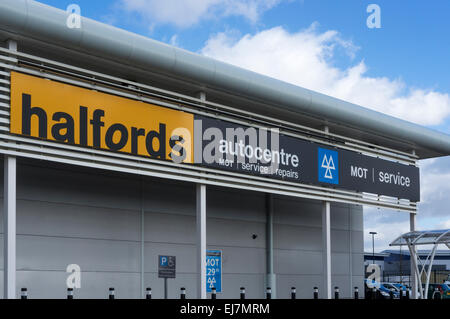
166, 266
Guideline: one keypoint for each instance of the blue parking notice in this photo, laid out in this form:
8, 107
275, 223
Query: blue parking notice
214, 270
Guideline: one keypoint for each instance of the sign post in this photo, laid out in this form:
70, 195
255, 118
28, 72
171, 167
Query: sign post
166, 269
213, 270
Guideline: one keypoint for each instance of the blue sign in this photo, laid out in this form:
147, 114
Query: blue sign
328, 166
163, 261
167, 266
214, 270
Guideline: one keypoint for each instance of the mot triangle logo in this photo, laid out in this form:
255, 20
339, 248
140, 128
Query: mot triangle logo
328, 163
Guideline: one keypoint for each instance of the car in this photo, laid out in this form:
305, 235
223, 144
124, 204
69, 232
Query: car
402, 288
391, 287
442, 289
383, 289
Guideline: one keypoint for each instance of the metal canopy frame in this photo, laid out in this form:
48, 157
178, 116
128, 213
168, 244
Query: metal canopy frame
420, 238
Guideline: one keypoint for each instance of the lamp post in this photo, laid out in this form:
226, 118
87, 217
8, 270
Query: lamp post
373, 246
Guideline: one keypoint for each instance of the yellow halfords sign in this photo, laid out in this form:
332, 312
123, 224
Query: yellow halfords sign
55, 111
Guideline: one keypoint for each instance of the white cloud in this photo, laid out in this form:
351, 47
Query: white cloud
185, 13
435, 188
305, 58
388, 225
433, 212
445, 224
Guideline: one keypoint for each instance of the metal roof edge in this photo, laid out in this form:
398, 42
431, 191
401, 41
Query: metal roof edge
45, 23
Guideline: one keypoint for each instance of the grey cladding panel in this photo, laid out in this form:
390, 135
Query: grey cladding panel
297, 262
236, 205
297, 237
169, 197
40, 218
169, 228
55, 185
235, 233
92, 218
295, 212
55, 253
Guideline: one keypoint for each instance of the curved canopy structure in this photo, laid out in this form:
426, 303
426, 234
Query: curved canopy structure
420, 238
428, 237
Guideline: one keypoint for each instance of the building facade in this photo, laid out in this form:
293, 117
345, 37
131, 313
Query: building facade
104, 136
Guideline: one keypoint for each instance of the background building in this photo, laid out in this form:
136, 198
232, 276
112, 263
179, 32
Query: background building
396, 265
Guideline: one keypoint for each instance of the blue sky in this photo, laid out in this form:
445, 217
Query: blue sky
401, 68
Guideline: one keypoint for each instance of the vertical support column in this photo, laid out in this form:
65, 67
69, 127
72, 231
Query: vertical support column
350, 247
9, 217
270, 276
412, 227
142, 240
326, 243
326, 249
201, 241
9, 227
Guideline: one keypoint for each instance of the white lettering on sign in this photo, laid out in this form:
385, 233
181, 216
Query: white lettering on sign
395, 179
359, 172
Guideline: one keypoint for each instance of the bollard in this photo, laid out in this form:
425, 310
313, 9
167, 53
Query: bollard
437, 294
293, 293
336, 292
182, 293
112, 293
242, 293
356, 293
148, 293
213, 293
269, 293
374, 293
69, 293
23, 293
391, 294
316, 293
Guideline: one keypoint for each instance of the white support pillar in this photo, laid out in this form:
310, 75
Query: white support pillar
9, 227
414, 279
270, 275
142, 230
201, 241
326, 248
326, 243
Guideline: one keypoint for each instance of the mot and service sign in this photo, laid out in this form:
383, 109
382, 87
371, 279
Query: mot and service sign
266, 153
62, 113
